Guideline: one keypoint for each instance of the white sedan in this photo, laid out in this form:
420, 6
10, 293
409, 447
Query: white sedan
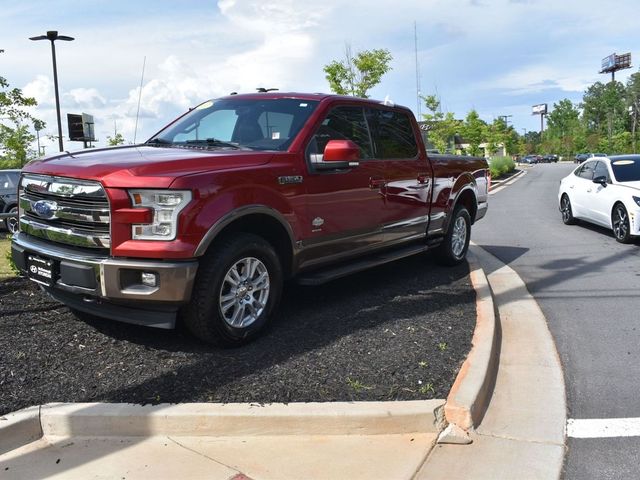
604, 191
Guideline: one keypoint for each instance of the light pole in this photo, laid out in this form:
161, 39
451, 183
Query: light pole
52, 36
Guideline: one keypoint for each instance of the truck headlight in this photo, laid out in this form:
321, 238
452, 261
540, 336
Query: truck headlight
165, 206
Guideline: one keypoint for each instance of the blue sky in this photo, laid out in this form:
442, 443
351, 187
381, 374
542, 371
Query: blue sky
497, 56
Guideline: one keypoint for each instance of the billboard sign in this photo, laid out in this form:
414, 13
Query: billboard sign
540, 109
609, 62
81, 127
623, 61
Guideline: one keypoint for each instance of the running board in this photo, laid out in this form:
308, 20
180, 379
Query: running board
318, 277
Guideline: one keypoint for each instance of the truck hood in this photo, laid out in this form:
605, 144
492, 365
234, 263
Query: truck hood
123, 167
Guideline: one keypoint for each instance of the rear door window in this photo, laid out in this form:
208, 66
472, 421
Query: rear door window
586, 171
393, 134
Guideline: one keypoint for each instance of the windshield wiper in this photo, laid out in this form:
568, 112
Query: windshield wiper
158, 141
213, 142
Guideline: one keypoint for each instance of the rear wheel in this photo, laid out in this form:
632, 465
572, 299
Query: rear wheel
238, 286
453, 248
620, 224
566, 211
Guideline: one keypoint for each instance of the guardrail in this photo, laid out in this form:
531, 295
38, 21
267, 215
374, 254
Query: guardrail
7, 215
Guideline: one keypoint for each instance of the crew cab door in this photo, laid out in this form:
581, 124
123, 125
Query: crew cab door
345, 206
408, 175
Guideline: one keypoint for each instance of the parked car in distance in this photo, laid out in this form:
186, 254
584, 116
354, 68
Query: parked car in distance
550, 158
581, 157
604, 191
9, 198
530, 159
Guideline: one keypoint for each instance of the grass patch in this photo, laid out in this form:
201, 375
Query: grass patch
5, 250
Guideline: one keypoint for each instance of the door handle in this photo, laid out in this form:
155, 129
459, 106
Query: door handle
376, 182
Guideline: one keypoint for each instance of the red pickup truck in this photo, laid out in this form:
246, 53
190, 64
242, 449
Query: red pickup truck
206, 220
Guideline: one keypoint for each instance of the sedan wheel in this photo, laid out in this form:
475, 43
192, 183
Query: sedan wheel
567, 212
620, 223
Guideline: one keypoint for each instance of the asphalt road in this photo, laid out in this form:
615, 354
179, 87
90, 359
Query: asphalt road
587, 285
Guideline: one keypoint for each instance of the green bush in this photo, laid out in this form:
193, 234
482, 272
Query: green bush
500, 166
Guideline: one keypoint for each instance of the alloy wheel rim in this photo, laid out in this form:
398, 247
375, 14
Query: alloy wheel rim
620, 223
244, 292
566, 209
459, 237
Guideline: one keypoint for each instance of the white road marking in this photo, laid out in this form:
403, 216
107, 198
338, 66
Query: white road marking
509, 182
603, 427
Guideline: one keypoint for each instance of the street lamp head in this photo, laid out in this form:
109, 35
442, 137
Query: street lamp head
52, 35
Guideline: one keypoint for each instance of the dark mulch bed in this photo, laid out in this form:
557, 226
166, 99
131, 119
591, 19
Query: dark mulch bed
397, 332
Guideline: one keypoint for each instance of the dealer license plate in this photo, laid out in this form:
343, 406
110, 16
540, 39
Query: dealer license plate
41, 270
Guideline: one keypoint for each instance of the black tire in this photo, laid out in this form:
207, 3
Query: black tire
566, 211
620, 224
241, 273
11, 223
453, 249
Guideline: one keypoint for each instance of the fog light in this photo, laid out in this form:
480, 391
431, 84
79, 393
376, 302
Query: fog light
149, 279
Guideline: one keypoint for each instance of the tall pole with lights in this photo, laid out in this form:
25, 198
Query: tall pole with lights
52, 36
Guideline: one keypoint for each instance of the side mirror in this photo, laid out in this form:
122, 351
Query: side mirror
339, 154
341, 151
601, 180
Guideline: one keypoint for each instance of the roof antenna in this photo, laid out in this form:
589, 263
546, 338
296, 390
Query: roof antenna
135, 130
265, 90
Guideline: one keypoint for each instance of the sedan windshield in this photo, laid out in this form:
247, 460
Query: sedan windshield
626, 169
255, 123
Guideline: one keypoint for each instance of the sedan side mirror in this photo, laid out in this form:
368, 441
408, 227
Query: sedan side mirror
602, 180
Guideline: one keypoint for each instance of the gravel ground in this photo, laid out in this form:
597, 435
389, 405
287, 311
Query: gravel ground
397, 332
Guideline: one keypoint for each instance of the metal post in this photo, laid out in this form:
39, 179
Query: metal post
52, 36
55, 86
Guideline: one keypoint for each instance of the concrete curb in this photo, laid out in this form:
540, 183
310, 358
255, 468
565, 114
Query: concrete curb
207, 419
471, 392
19, 428
495, 185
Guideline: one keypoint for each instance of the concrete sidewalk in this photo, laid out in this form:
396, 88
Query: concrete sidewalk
508, 400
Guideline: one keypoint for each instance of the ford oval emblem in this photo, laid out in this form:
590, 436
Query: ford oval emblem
45, 209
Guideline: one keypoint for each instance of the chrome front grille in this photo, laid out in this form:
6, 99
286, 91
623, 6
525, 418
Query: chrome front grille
65, 210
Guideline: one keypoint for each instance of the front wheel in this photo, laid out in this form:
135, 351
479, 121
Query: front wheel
12, 222
453, 248
238, 286
566, 211
620, 224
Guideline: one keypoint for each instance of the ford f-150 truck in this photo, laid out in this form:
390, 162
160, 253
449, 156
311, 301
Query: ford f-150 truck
206, 220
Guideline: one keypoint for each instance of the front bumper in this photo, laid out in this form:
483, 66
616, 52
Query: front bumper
103, 284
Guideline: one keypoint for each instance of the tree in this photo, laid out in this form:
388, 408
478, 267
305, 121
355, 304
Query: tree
563, 128
13, 103
473, 132
604, 111
15, 140
117, 139
357, 75
632, 97
16, 144
441, 127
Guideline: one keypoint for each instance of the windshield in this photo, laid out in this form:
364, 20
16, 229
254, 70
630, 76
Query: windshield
258, 124
626, 169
